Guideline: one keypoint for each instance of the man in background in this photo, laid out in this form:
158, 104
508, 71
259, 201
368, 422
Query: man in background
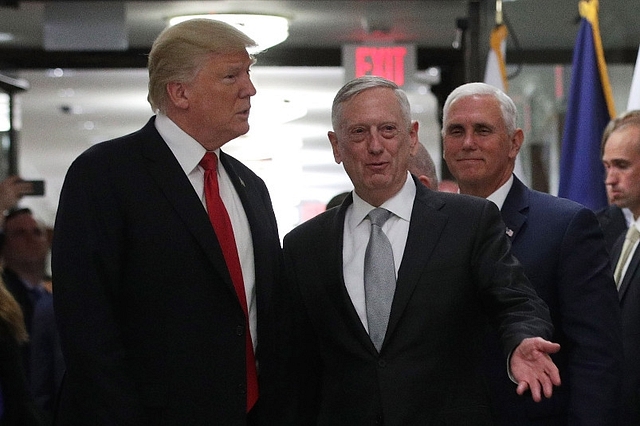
613, 219
422, 166
562, 249
621, 159
24, 252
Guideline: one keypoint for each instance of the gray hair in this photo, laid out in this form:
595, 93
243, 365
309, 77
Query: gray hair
179, 52
507, 106
359, 85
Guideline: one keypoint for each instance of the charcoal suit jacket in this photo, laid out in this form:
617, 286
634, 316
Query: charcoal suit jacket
629, 297
455, 273
151, 328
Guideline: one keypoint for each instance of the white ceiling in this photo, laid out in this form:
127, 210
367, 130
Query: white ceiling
62, 116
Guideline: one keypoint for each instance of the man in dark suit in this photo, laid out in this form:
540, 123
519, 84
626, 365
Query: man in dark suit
621, 159
453, 266
152, 327
562, 249
613, 222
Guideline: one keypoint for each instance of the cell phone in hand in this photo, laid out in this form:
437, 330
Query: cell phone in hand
37, 188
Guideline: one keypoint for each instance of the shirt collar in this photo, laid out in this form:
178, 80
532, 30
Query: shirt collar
401, 204
186, 149
501, 193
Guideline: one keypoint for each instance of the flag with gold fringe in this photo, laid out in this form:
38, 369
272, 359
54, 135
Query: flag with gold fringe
495, 74
590, 107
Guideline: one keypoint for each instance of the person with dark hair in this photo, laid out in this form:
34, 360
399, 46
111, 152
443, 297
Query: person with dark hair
562, 250
166, 255
391, 289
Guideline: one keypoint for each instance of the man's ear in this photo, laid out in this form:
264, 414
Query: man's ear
333, 139
413, 135
178, 94
516, 143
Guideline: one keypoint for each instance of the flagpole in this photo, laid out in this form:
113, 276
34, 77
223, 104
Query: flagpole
498, 12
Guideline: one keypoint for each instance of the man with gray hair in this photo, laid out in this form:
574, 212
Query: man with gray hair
391, 288
562, 249
166, 253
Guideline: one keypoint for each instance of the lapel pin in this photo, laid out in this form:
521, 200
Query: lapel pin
510, 232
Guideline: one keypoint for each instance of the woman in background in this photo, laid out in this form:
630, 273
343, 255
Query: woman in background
16, 404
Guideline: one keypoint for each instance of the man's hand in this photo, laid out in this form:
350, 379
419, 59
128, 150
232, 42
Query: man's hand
533, 369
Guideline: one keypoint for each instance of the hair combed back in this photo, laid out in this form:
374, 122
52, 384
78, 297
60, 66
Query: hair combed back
359, 85
507, 106
629, 118
179, 51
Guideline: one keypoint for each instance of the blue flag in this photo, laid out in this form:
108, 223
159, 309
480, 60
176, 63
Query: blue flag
589, 110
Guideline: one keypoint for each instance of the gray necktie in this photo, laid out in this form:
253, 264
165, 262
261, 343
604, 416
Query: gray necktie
629, 240
379, 277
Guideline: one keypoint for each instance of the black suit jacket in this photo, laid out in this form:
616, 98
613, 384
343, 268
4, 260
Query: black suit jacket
629, 296
455, 269
612, 222
151, 328
561, 247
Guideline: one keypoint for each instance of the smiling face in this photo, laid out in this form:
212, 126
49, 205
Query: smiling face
478, 150
213, 107
621, 159
373, 142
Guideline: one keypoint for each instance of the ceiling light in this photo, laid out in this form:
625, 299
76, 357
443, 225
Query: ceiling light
265, 30
6, 37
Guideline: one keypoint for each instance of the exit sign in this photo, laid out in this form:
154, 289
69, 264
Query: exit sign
393, 62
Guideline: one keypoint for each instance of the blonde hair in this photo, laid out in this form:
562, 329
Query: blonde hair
179, 52
11, 318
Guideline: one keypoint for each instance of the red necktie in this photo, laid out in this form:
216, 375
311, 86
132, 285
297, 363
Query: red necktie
224, 231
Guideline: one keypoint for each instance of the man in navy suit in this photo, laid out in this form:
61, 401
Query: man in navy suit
152, 328
621, 159
451, 271
562, 249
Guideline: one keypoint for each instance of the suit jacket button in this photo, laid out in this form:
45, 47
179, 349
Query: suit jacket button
379, 420
242, 388
382, 363
240, 330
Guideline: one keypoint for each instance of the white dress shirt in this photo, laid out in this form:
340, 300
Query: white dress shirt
501, 193
356, 236
189, 152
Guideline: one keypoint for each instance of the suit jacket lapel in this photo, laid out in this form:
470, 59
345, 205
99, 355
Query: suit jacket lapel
629, 274
175, 186
515, 208
335, 285
425, 229
256, 216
